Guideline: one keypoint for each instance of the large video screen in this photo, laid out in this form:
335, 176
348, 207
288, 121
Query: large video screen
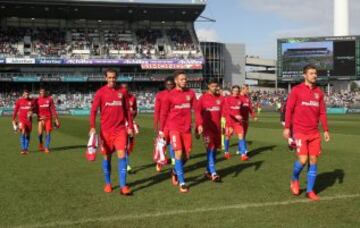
335, 57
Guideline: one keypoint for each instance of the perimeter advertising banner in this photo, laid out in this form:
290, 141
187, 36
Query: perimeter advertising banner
195, 64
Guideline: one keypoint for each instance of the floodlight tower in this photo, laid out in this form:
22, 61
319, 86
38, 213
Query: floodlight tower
341, 17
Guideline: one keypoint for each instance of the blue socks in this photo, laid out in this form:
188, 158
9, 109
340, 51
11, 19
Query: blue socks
22, 141
242, 146
122, 166
47, 140
311, 177
171, 151
179, 171
106, 165
226, 145
298, 167
27, 142
211, 161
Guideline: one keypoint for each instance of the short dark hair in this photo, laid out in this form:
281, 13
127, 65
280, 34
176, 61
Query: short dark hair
169, 79
308, 67
110, 70
25, 90
212, 81
235, 87
178, 72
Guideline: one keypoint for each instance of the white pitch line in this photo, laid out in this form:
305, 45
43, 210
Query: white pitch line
189, 211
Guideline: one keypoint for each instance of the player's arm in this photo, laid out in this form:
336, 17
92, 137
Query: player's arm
54, 113
251, 110
128, 115
93, 112
164, 112
323, 119
16, 110
135, 109
157, 112
198, 116
290, 106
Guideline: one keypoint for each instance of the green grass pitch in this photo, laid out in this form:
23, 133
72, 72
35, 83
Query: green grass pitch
63, 189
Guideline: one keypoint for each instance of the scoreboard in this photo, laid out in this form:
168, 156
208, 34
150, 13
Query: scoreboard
336, 58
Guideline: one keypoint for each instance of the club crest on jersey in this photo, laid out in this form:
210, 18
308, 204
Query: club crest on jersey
317, 96
188, 97
120, 95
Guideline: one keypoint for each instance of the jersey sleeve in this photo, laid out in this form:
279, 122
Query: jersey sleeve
290, 106
127, 112
16, 109
135, 109
323, 116
164, 111
157, 111
94, 108
53, 108
198, 112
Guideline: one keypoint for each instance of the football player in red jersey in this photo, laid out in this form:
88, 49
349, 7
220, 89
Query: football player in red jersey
114, 114
46, 111
305, 108
23, 110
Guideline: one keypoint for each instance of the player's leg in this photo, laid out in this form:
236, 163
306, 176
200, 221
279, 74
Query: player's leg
40, 134
120, 141
239, 131
299, 164
48, 129
178, 178
106, 150
227, 137
245, 127
28, 129
314, 152
22, 139
211, 145
106, 165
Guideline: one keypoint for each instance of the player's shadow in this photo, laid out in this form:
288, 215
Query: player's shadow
236, 144
65, 148
254, 152
165, 175
328, 179
235, 170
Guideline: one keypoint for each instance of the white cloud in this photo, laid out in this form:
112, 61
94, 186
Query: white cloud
206, 34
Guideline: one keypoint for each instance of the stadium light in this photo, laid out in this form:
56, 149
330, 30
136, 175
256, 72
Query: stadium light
341, 17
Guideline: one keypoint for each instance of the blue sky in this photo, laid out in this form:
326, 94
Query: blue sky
258, 23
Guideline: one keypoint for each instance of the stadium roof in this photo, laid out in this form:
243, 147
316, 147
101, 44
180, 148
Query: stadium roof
100, 10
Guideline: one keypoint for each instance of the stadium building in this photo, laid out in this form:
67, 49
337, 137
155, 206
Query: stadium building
67, 44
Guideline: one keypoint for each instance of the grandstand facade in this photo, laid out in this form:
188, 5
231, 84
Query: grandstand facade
67, 44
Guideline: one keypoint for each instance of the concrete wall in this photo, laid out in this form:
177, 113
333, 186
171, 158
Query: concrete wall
234, 64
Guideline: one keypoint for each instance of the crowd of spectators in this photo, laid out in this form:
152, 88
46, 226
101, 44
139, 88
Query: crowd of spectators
97, 42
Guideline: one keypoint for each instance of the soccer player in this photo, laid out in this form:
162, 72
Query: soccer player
176, 115
208, 121
305, 107
234, 122
131, 99
46, 111
169, 84
114, 114
246, 111
24, 108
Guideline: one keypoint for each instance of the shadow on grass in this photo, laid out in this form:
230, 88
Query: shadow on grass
260, 150
328, 179
235, 170
165, 175
65, 148
236, 144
